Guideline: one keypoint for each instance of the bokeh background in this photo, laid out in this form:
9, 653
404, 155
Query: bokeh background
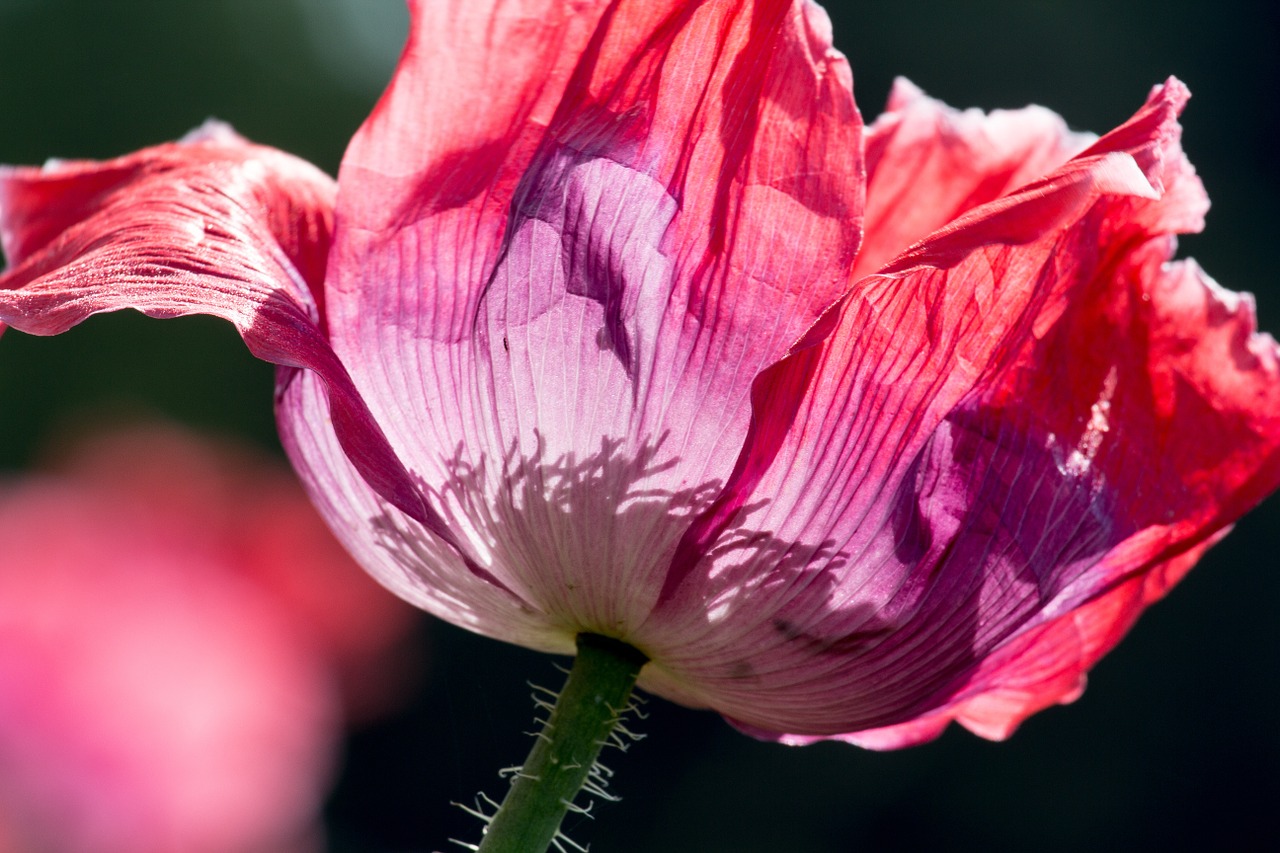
1174, 746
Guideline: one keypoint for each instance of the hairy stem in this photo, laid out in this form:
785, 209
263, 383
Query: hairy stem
564, 753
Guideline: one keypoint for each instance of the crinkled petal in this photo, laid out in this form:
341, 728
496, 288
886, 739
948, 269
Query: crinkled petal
927, 164
567, 242
1013, 418
211, 225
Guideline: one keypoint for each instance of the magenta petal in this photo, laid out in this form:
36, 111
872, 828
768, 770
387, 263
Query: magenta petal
566, 244
212, 225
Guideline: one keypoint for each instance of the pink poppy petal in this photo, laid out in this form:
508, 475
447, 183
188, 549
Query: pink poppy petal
211, 225
558, 298
400, 553
927, 164
925, 506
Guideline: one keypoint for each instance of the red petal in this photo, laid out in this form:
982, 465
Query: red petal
213, 225
1063, 412
927, 164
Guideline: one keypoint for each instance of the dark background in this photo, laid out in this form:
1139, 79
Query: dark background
1175, 745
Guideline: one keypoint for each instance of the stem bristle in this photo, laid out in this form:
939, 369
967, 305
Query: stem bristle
563, 762
577, 809
560, 839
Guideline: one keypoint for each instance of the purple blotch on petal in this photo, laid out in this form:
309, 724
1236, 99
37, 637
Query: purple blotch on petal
589, 226
990, 532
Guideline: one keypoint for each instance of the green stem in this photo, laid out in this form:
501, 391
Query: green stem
593, 699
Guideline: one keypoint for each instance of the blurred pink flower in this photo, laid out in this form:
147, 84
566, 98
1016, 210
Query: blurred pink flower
158, 690
248, 514
623, 323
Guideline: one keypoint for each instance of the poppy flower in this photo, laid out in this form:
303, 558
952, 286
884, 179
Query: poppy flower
619, 321
162, 689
